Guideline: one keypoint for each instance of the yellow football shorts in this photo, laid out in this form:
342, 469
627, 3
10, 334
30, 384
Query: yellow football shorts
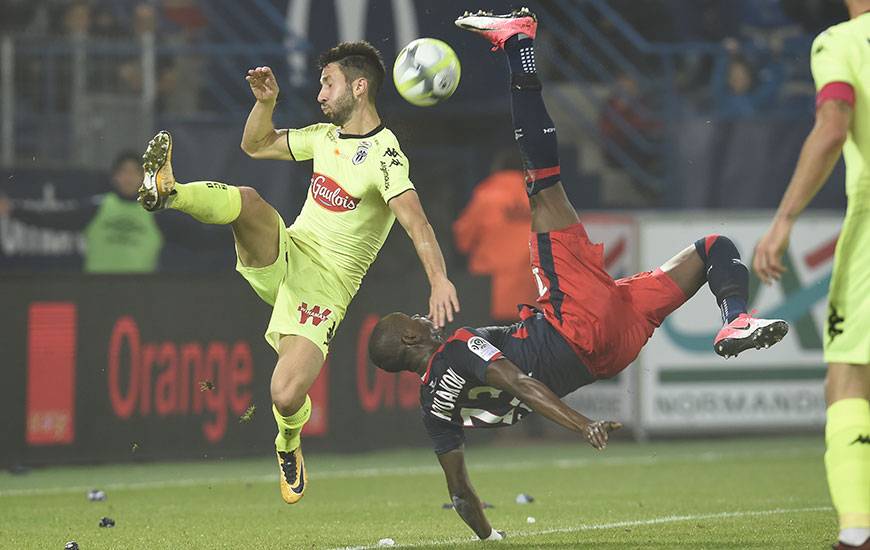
847, 334
307, 298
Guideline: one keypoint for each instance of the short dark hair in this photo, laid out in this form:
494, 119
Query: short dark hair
357, 60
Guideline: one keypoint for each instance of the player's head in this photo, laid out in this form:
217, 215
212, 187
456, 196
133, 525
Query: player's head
350, 75
127, 173
403, 342
857, 7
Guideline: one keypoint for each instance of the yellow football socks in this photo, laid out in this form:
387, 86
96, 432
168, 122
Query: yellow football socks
208, 201
847, 460
289, 427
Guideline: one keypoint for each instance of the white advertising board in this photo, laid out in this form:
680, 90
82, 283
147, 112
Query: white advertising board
686, 387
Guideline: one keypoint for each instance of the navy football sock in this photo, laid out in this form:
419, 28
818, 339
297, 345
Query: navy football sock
727, 277
520, 51
534, 133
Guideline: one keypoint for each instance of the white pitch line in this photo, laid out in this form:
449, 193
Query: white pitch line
563, 463
614, 525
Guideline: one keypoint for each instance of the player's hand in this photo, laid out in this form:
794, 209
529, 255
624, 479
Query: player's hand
767, 261
443, 302
263, 84
596, 432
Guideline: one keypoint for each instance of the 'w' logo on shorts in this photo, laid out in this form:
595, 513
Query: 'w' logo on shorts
313, 313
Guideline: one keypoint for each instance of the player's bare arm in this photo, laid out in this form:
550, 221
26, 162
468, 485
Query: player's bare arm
465, 500
819, 154
260, 139
504, 375
443, 301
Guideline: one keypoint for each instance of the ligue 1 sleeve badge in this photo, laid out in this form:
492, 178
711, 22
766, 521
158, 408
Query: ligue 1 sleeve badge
362, 152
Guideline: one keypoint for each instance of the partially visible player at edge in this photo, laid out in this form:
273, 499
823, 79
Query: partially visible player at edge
589, 327
839, 61
310, 271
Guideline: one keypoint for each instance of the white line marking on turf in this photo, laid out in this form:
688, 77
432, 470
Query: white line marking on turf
565, 463
614, 525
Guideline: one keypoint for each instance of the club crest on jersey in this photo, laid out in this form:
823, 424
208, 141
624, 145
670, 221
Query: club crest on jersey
362, 152
330, 195
314, 313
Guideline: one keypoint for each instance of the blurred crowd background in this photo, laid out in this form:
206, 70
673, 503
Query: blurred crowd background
660, 104
672, 116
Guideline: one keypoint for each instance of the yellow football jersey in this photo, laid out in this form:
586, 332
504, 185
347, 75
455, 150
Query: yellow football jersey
345, 218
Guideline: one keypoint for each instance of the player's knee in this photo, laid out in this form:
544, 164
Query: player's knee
250, 197
704, 246
288, 397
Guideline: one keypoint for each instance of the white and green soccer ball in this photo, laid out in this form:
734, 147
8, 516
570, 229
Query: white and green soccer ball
426, 72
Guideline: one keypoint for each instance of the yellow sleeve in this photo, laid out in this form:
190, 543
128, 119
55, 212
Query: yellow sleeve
394, 178
300, 141
829, 58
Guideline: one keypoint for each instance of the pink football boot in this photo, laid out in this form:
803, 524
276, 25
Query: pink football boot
498, 28
746, 332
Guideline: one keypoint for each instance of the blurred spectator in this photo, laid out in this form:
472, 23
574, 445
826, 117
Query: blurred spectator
144, 23
105, 24
144, 19
76, 19
493, 230
121, 236
180, 84
738, 89
628, 122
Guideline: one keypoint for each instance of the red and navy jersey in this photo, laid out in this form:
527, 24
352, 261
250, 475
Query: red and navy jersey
454, 394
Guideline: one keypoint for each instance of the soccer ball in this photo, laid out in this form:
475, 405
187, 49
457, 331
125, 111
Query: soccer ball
426, 72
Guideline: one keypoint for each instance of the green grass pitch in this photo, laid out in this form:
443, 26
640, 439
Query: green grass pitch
723, 493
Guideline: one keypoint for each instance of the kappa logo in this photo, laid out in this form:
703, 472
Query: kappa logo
834, 321
394, 155
313, 313
330, 333
330, 195
362, 152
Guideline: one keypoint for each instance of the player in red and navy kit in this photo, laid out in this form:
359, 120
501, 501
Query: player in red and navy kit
585, 327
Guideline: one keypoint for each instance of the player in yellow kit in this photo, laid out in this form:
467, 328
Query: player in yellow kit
840, 61
311, 270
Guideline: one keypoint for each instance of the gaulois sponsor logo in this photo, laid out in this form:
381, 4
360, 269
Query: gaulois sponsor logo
330, 195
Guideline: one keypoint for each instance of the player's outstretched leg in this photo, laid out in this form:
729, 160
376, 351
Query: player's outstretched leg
715, 260
534, 130
206, 201
256, 225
